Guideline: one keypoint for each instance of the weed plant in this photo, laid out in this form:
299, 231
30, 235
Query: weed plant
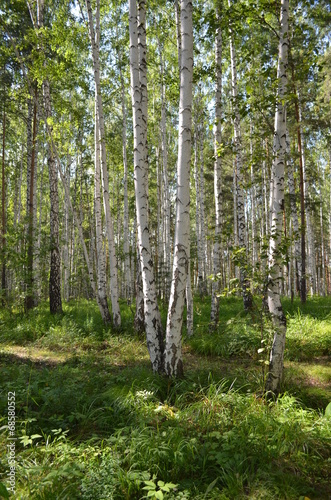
93, 422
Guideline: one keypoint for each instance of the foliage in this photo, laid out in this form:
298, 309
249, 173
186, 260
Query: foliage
93, 422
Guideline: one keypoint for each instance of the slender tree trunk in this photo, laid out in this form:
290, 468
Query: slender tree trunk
303, 291
3, 210
253, 203
126, 246
322, 280
202, 212
214, 314
105, 179
247, 296
276, 208
66, 236
173, 351
30, 300
166, 194
101, 261
55, 301
294, 217
189, 302
153, 323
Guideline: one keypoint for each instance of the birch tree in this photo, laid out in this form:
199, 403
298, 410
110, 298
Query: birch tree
105, 179
214, 313
55, 300
153, 326
240, 201
173, 350
276, 209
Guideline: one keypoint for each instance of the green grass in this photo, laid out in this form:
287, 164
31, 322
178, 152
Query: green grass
106, 424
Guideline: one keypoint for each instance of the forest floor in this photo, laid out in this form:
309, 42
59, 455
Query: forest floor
93, 422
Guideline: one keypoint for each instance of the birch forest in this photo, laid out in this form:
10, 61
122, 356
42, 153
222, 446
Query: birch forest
165, 249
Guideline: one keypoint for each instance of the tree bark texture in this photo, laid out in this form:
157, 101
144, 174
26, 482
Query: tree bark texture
276, 209
173, 350
153, 324
214, 313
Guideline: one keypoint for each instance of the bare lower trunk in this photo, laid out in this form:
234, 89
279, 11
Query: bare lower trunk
153, 324
276, 208
240, 202
214, 314
105, 179
173, 351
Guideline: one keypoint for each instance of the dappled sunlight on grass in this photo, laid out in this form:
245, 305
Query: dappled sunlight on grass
107, 424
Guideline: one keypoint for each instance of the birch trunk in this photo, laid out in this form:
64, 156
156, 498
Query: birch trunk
101, 261
126, 246
295, 219
3, 210
214, 314
276, 209
105, 180
322, 280
253, 203
202, 213
311, 260
55, 300
173, 350
31, 198
66, 236
240, 202
189, 302
166, 194
153, 324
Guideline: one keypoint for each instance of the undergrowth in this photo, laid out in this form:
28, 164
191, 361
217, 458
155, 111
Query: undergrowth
93, 422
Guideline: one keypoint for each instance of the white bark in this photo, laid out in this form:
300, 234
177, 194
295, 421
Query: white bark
253, 202
214, 314
105, 180
276, 209
311, 260
126, 245
65, 252
189, 302
173, 350
294, 217
240, 202
166, 194
153, 324
100, 254
202, 212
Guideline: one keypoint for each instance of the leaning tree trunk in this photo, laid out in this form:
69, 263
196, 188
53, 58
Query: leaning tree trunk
277, 208
153, 323
105, 179
214, 313
173, 350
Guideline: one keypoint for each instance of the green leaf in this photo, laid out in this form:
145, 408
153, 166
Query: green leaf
159, 495
150, 484
3, 491
328, 411
210, 487
160, 483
